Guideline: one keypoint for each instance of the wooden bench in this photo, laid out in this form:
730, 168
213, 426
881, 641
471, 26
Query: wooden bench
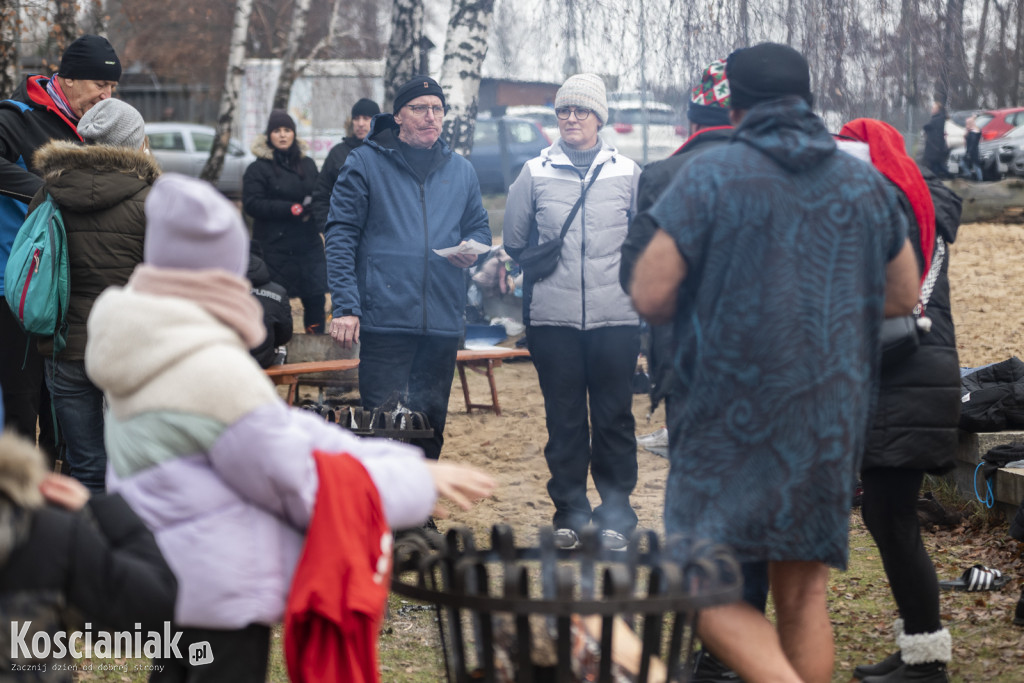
1008, 490
483, 361
291, 374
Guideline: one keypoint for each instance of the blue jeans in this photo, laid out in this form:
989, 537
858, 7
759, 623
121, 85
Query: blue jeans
79, 407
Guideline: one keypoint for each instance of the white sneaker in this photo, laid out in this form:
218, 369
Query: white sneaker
613, 540
656, 438
655, 442
566, 539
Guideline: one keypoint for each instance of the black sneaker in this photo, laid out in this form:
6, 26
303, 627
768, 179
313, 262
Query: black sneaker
1018, 614
709, 669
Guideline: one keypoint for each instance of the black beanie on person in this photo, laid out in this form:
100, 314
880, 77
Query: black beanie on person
365, 107
417, 86
279, 119
766, 72
90, 58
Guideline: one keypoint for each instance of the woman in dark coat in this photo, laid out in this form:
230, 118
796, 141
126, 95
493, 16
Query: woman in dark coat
277, 191
915, 427
935, 148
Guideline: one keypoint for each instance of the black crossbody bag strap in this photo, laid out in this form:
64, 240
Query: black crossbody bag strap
579, 202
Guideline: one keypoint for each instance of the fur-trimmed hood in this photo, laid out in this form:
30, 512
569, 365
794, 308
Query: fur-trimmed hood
93, 177
21, 471
262, 150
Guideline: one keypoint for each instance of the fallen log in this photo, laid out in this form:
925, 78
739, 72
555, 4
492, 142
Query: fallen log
997, 202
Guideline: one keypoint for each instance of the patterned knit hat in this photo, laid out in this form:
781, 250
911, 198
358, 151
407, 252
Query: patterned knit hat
709, 99
586, 91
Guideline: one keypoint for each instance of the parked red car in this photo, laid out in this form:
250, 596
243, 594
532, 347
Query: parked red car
995, 123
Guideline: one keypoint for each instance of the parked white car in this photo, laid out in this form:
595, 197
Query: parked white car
185, 147
625, 127
543, 116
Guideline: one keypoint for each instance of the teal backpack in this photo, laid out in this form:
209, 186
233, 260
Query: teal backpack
36, 280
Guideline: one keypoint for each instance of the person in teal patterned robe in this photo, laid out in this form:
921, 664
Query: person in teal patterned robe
771, 258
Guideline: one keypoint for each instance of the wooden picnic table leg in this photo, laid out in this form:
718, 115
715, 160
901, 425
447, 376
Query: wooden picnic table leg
494, 387
465, 387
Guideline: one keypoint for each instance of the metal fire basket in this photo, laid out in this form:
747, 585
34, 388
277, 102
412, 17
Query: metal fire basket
535, 614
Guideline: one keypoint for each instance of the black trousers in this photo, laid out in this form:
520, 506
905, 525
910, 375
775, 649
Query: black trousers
889, 509
579, 369
314, 315
21, 377
238, 656
420, 368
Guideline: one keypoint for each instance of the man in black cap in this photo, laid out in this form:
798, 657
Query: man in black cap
399, 197
358, 127
42, 109
776, 258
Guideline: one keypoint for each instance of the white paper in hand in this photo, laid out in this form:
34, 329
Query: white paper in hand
470, 247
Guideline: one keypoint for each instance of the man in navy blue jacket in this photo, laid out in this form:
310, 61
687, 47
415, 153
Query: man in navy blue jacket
400, 196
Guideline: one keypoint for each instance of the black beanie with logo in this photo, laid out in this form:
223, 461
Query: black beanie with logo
90, 58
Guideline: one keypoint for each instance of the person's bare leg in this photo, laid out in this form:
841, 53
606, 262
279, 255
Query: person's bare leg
741, 637
801, 616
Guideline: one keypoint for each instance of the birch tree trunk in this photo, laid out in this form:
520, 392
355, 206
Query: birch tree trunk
979, 54
403, 60
288, 71
9, 27
232, 86
65, 26
464, 50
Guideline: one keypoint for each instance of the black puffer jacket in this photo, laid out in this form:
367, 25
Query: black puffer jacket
101, 192
100, 564
277, 311
915, 425
328, 176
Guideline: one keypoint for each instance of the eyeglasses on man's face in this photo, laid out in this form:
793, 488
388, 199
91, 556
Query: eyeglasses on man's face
422, 109
581, 114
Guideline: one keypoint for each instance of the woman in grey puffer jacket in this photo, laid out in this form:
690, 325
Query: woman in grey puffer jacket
582, 330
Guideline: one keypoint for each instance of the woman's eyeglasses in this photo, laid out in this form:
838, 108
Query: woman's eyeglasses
581, 114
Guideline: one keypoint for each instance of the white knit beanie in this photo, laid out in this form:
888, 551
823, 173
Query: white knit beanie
189, 224
113, 122
584, 90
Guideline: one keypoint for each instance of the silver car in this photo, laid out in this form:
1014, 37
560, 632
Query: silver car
185, 147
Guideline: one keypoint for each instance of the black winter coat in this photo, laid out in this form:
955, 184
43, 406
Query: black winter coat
292, 245
100, 565
915, 425
935, 148
23, 130
655, 178
328, 176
